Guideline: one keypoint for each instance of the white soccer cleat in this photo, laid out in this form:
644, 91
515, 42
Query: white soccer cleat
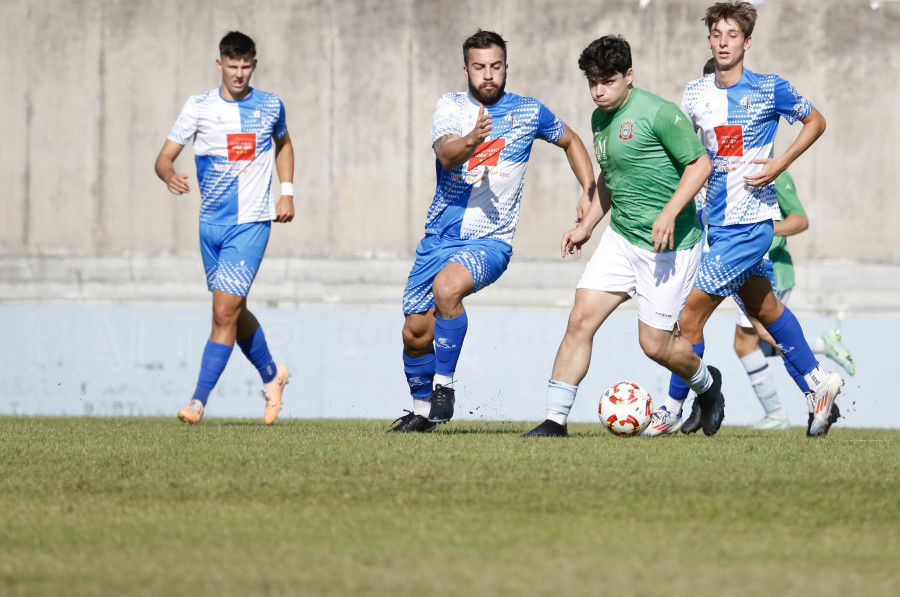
662, 423
819, 402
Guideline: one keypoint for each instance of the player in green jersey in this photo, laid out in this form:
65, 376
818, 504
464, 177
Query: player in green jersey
652, 165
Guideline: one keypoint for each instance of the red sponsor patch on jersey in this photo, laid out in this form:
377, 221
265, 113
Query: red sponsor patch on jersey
731, 140
488, 153
241, 146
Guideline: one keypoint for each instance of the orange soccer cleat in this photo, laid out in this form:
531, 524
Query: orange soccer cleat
192, 413
272, 393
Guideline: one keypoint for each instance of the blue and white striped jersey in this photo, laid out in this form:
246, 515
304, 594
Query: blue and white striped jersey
737, 125
234, 152
480, 199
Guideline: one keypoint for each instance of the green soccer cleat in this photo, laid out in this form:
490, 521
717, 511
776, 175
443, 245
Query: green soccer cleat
768, 423
837, 352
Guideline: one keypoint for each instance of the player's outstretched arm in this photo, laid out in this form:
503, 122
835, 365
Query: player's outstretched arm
165, 168
284, 165
580, 162
813, 127
453, 151
692, 179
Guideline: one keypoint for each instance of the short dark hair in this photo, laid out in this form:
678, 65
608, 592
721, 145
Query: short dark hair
237, 45
482, 40
605, 57
710, 67
742, 13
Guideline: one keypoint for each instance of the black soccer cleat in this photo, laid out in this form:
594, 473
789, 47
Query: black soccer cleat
692, 423
548, 429
712, 404
833, 415
411, 423
442, 400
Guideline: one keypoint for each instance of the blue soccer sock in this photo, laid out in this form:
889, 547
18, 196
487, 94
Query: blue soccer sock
448, 340
420, 375
790, 340
796, 376
257, 352
215, 357
678, 388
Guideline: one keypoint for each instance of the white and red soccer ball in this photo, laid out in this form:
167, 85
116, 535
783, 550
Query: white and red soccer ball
625, 409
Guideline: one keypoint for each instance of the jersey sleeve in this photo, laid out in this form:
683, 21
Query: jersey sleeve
676, 133
550, 127
185, 127
790, 104
786, 193
279, 129
446, 120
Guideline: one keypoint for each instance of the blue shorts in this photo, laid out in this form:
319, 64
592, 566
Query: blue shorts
485, 258
735, 253
232, 254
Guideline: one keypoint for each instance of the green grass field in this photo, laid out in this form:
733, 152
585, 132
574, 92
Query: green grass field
150, 506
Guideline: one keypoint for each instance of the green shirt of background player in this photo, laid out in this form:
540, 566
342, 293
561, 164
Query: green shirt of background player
652, 164
794, 222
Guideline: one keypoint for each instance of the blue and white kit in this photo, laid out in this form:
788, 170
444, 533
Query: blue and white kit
737, 125
233, 149
234, 153
475, 210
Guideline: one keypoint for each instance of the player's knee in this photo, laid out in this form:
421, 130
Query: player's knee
655, 349
581, 323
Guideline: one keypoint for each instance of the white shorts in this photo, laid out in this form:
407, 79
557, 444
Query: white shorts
661, 281
741, 319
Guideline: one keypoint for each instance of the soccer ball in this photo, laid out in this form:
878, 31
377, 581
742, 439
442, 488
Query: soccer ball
625, 409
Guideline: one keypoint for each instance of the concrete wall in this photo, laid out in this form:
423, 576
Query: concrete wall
93, 87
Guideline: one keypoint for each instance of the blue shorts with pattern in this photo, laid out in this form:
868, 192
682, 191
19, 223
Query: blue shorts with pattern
735, 253
232, 254
485, 258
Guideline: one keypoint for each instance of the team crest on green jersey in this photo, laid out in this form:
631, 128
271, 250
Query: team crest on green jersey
626, 131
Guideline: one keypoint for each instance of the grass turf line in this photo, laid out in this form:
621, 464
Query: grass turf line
231, 507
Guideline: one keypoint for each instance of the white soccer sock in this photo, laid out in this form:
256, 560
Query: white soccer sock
422, 407
701, 380
557, 417
818, 346
763, 381
444, 380
673, 406
815, 378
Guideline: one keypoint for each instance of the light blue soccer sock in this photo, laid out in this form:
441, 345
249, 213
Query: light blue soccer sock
678, 389
419, 375
215, 357
257, 352
762, 380
448, 340
560, 398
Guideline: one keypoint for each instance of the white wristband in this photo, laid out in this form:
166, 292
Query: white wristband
287, 188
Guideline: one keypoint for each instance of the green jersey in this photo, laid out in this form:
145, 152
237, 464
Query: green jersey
789, 202
642, 149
